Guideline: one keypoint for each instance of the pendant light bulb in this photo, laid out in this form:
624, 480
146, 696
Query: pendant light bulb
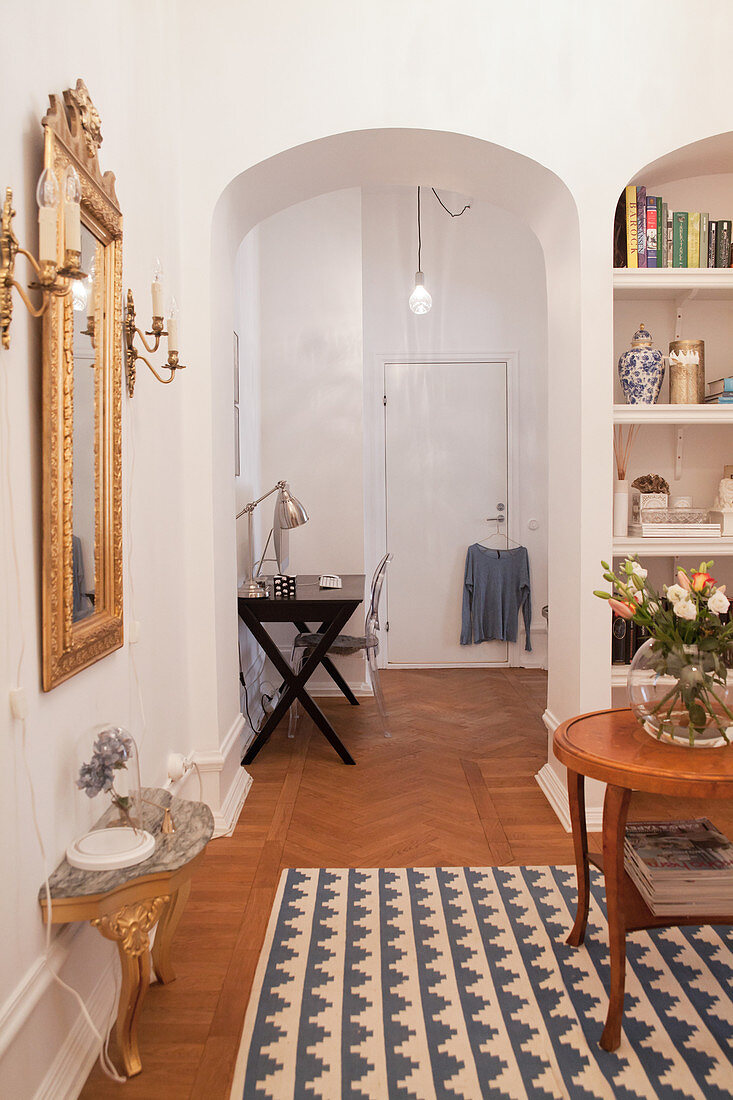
420, 299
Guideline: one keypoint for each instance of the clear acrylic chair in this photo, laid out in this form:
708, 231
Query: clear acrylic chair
344, 645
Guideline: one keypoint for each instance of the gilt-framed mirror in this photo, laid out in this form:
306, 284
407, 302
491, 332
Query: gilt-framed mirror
82, 411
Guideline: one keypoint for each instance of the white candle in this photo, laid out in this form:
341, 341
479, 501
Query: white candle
157, 291
172, 334
72, 226
47, 234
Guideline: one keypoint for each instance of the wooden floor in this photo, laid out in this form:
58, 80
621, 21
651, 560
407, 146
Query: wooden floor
453, 786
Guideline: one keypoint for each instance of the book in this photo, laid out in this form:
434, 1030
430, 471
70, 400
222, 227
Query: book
670, 238
619, 233
712, 243
641, 225
693, 240
632, 229
704, 233
660, 233
651, 231
679, 243
722, 244
720, 385
725, 399
674, 530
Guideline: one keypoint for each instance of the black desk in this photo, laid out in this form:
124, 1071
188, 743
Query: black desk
332, 607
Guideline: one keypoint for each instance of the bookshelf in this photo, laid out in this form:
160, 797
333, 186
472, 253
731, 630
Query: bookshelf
694, 303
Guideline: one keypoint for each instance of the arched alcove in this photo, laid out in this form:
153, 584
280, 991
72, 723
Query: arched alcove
456, 163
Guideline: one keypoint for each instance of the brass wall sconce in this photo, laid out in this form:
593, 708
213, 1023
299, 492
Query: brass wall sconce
53, 281
157, 331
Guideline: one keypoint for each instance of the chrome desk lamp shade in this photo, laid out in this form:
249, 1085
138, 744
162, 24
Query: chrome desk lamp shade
289, 513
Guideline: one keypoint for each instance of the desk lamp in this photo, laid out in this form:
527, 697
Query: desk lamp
289, 513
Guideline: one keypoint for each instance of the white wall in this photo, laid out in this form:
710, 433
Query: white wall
485, 271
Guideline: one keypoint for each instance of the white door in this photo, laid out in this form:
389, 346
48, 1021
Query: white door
446, 472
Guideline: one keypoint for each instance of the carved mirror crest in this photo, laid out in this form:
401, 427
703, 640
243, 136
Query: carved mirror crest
82, 411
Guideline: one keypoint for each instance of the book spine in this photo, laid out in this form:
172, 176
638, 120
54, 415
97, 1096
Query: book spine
641, 224
619, 232
651, 231
722, 247
632, 230
725, 399
693, 240
704, 233
679, 244
712, 243
670, 238
661, 223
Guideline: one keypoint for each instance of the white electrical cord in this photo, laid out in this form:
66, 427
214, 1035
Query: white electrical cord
105, 1063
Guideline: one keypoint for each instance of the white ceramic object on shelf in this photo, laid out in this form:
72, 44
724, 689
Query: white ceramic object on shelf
620, 508
110, 849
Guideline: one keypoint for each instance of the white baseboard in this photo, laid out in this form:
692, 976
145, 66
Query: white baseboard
225, 822
556, 794
551, 722
34, 983
80, 1049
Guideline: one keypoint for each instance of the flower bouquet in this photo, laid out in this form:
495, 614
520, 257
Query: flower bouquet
678, 686
113, 770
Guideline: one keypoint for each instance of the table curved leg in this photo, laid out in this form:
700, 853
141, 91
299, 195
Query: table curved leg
128, 927
615, 810
167, 926
576, 799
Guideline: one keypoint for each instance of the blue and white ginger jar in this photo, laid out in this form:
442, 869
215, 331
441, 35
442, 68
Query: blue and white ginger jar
641, 370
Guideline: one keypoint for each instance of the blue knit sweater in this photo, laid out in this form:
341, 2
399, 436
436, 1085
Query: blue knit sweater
496, 586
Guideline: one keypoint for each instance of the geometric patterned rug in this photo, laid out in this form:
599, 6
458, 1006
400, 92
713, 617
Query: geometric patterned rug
457, 982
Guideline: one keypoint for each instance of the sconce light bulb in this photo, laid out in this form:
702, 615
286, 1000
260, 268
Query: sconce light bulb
72, 185
47, 191
173, 314
79, 295
420, 299
157, 270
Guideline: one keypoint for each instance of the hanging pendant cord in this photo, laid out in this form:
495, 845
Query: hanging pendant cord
419, 232
456, 215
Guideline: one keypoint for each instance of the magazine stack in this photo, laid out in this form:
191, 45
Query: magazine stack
681, 867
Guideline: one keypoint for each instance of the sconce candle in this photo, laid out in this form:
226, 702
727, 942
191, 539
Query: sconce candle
157, 289
47, 194
72, 211
173, 328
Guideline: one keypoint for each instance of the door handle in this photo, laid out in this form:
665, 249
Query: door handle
495, 519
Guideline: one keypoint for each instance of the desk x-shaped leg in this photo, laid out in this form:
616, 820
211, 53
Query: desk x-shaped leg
295, 681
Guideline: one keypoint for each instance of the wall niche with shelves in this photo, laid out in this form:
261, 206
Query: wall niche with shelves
679, 303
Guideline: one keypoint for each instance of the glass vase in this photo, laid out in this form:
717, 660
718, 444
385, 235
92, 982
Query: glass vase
682, 697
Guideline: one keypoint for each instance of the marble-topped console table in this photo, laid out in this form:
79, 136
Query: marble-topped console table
125, 904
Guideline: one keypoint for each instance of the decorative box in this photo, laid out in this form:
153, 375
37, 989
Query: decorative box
641, 502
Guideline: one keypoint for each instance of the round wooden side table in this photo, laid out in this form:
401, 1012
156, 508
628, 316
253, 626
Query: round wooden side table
611, 746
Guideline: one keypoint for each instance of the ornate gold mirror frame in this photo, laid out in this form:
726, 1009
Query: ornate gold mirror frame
72, 638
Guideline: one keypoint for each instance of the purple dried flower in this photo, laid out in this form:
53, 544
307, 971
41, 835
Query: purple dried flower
112, 750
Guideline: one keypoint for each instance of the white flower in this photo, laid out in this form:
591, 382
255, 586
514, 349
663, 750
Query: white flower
639, 596
718, 603
676, 592
685, 609
637, 569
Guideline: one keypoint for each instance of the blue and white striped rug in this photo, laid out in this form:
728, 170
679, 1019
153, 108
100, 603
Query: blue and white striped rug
458, 983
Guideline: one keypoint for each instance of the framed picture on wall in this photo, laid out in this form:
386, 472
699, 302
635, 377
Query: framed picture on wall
237, 456
236, 367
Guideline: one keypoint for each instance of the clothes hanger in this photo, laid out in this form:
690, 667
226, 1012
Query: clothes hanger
498, 520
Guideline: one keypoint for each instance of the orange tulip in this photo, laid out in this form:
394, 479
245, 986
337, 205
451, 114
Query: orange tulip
699, 580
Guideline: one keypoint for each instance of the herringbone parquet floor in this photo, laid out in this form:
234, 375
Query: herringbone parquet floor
453, 786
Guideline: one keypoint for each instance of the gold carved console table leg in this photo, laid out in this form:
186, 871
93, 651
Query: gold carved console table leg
129, 928
167, 926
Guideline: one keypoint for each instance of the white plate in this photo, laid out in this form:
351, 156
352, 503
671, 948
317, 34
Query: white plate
109, 849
